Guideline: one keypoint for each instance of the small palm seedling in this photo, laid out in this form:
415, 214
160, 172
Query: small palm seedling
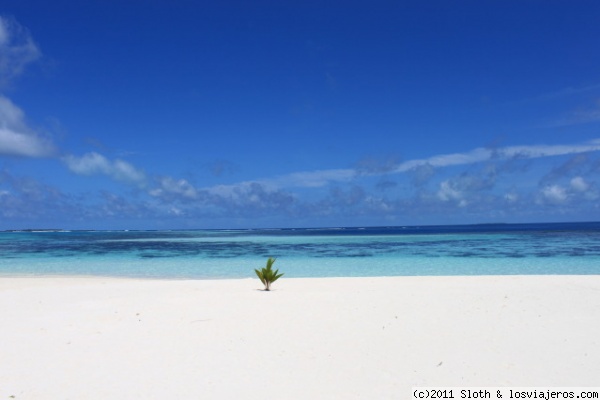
267, 275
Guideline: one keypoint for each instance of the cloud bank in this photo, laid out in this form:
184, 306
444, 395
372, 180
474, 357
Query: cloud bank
484, 189
423, 169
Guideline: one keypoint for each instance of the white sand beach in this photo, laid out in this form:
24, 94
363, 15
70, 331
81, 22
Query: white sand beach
326, 338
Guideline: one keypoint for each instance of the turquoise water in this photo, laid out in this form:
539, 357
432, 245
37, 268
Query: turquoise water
503, 249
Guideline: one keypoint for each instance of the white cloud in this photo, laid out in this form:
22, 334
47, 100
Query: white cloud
320, 178
447, 160
312, 179
482, 154
123, 171
448, 192
323, 177
379, 204
170, 186
579, 184
16, 138
88, 164
19, 144
94, 164
230, 191
17, 49
538, 151
252, 195
555, 194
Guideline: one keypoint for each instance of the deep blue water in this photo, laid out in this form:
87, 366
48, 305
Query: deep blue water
565, 248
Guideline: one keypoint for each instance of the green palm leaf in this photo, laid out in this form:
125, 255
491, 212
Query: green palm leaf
266, 275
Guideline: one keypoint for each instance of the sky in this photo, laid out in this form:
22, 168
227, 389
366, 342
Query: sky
268, 114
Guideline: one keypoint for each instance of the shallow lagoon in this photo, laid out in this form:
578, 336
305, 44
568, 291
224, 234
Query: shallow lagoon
503, 249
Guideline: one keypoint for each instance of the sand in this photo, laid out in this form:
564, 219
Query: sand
329, 338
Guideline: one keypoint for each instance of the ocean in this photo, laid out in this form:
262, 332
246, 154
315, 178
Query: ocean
488, 249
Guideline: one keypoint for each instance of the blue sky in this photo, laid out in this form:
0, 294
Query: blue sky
230, 114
